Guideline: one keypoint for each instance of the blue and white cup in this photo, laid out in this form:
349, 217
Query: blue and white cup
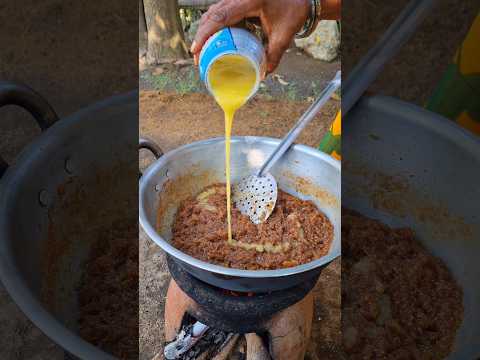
232, 41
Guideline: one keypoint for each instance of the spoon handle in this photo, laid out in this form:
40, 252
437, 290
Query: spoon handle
300, 125
370, 66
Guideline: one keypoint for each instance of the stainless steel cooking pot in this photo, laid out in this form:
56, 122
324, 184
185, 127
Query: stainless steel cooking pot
303, 171
74, 182
409, 167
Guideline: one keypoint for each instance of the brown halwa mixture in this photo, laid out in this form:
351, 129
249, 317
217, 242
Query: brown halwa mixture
398, 301
108, 297
295, 233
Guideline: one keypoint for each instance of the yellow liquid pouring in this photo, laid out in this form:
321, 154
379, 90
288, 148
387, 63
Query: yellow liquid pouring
232, 79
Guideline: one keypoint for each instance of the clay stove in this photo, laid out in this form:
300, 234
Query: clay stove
274, 325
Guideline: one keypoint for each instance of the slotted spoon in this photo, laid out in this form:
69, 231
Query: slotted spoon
256, 195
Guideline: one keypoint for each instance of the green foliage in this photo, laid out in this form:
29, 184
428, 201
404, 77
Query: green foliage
189, 16
264, 92
176, 81
188, 84
291, 92
160, 82
316, 89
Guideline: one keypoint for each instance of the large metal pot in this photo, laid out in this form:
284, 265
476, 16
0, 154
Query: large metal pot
185, 171
409, 167
72, 183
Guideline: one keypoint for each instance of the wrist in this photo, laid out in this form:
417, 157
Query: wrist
305, 6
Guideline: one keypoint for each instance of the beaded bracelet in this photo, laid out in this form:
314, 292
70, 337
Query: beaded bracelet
311, 22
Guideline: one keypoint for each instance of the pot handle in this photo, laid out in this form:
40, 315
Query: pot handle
12, 93
149, 144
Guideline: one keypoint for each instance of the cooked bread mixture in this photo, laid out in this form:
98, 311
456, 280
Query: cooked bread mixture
295, 233
398, 301
108, 298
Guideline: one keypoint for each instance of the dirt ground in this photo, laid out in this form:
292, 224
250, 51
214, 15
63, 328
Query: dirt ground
173, 120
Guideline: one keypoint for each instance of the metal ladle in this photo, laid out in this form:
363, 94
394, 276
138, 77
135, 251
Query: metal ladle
256, 195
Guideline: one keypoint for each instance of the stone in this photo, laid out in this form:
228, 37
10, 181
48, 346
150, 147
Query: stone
324, 42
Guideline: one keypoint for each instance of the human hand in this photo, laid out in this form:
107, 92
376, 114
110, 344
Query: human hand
280, 20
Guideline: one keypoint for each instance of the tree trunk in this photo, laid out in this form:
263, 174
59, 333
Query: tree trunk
165, 34
142, 29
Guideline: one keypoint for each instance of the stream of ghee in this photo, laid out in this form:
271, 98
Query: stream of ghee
232, 79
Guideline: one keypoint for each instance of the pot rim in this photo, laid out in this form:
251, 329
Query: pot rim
424, 118
183, 257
